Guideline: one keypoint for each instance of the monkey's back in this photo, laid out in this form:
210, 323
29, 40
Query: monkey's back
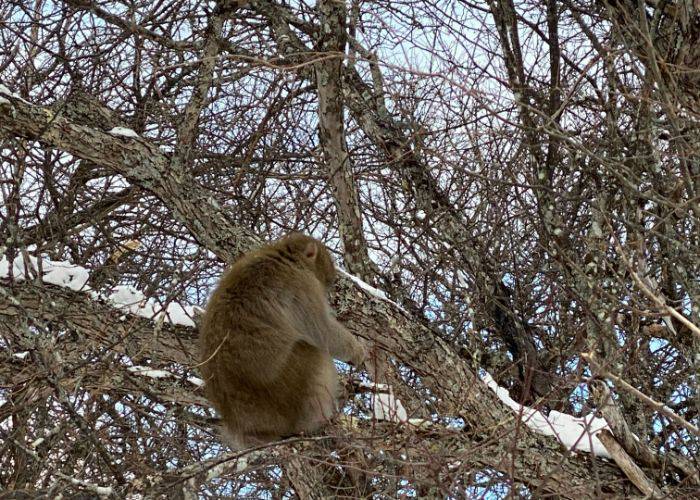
264, 381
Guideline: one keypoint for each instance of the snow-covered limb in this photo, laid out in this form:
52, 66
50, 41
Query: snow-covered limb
146, 371
59, 273
376, 292
7, 92
576, 433
177, 314
102, 491
365, 286
149, 372
74, 277
134, 301
214, 467
123, 132
386, 407
66, 275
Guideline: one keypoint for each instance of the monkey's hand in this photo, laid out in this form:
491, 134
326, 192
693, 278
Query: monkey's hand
359, 354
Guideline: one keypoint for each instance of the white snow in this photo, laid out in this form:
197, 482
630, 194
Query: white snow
4, 90
146, 371
20, 271
133, 300
386, 407
123, 132
576, 433
21, 355
103, 491
74, 277
66, 275
149, 372
179, 315
454, 465
376, 292
129, 298
56, 273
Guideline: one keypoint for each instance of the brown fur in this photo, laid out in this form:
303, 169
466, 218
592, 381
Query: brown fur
267, 340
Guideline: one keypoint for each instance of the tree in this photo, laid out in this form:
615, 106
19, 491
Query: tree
519, 181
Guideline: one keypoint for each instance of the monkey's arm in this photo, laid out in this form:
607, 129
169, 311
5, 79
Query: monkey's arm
343, 345
326, 333
312, 317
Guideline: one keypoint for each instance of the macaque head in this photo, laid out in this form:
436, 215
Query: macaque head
314, 253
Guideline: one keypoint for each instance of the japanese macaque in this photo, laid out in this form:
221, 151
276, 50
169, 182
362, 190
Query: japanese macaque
267, 340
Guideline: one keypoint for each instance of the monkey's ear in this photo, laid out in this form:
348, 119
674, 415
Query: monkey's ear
311, 250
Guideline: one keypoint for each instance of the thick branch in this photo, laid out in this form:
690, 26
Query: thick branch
332, 136
441, 369
139, 161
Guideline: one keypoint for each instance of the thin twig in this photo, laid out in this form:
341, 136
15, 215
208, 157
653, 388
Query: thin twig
660, 407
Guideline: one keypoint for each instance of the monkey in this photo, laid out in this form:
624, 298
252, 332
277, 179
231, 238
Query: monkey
267, 342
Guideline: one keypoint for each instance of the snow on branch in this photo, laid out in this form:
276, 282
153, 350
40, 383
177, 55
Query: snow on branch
375, 292
62, 274
387, 407
134, 301
123, 132
101, 491
4, 91
575, 433
74, 277
147, 371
